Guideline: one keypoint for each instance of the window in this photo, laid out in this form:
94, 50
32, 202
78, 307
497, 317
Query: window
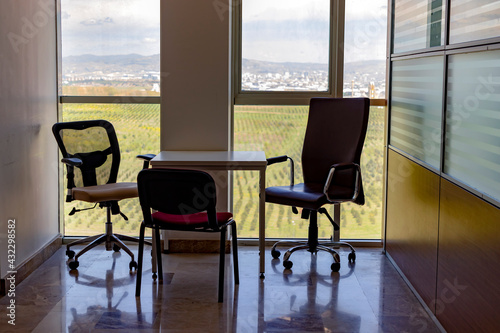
111, 70
110, 47
285, 53
285, 45
365, 49
288, 52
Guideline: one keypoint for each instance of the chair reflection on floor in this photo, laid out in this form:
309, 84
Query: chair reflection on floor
110, 316
311, 316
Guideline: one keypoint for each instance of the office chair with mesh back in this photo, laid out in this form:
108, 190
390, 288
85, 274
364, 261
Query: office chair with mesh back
91, 154
331, 153
183, 200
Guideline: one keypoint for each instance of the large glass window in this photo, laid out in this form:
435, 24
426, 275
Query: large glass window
285, 45
280, 130
137, 127
110, 54
289, 53
365, 48
110, 47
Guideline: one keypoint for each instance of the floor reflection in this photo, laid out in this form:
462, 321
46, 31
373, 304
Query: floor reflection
367, 297
308, 311
114, 314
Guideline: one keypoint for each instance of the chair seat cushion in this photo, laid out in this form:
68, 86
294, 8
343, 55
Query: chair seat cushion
106, 192
308, 195
189, 221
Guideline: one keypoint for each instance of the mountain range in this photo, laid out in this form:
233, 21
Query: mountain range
135, 63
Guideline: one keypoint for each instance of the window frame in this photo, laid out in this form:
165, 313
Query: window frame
335, 66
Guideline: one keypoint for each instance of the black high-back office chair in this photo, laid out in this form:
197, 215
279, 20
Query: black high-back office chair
91, 154
183, 200
334, 139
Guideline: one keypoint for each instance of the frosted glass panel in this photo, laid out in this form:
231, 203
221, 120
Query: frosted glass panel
474, 19
472, 147
416, 104
418, 24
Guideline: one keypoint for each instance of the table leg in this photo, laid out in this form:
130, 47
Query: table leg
262, 220
153, 252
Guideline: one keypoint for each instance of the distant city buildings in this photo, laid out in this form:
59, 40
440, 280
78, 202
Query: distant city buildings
361, 85
363, 79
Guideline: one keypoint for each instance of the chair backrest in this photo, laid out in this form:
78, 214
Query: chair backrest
335, 133
95, 143
178, 192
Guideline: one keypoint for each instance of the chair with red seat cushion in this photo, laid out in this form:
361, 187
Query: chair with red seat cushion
183, 200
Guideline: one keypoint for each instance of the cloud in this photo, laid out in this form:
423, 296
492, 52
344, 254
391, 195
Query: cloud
93, 21
65, 15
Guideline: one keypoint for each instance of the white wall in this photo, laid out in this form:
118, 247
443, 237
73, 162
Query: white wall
195, 82
195, 60
28, 108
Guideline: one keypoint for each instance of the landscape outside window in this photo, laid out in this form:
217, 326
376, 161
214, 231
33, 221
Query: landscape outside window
111, 48
285, 47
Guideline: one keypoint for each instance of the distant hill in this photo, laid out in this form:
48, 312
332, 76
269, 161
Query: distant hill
262, 67
128, 63
135, 63
376, 68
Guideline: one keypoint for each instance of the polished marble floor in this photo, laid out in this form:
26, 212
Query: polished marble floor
369, 296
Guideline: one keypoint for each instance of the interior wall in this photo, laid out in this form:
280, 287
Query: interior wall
28, 107
195, 60
412, 222
195, 83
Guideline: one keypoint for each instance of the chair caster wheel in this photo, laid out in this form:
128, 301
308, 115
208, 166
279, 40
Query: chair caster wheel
275, 253
132, 265
74, 264
352, 257
116, 248
287, 264
154, 276
335, 267
70, 254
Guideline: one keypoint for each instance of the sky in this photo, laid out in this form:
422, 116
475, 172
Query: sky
109, 27
273, 30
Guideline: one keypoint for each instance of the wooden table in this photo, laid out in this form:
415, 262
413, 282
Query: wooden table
223, 160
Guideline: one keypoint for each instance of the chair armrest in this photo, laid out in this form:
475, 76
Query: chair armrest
276, 159
72, 161
283, 158
343, 166
146, 158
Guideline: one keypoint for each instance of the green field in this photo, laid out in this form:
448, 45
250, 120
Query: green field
277, 130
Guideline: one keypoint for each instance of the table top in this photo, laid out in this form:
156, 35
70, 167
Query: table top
226, 159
